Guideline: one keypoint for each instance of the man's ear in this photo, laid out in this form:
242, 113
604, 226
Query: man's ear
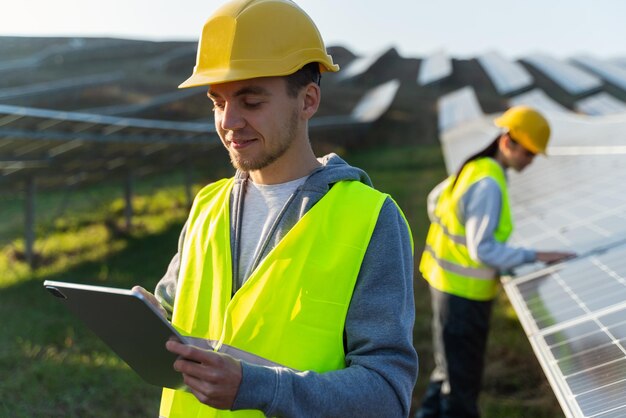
311, 100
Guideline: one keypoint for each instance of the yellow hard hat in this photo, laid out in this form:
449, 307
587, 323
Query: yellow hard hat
526, 126
246, 39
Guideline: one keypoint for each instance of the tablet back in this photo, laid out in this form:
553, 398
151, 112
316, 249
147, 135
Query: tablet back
128, 324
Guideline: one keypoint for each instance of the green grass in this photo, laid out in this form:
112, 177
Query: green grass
52, 366
58, 368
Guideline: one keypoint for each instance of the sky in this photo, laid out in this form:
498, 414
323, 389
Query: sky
561, 28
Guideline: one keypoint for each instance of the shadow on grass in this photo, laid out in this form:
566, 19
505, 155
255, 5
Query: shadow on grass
52, 365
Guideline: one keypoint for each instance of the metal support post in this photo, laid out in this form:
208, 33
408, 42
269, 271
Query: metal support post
29, 223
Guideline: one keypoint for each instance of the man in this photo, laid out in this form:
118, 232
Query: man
296, 260
465, 253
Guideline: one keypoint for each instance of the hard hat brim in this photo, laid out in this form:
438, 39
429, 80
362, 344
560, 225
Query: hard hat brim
207, 78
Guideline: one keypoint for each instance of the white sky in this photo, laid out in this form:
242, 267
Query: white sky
561, 28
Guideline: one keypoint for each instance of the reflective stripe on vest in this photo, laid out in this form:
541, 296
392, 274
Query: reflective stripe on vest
292, 308
446, 263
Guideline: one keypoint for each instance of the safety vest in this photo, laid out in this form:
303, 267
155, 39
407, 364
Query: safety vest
446, 263
292, 308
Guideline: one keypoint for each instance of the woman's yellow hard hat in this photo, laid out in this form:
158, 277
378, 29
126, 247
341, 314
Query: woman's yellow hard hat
527, 127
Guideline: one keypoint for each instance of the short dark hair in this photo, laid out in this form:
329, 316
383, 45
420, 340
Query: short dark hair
310, 73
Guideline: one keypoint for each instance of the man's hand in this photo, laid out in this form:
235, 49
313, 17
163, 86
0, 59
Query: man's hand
214, 378
150, 298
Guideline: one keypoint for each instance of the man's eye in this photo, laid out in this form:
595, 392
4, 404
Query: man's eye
252, 105
217, 106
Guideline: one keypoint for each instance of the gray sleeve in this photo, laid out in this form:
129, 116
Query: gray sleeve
381, 360
433, 198
165, 290
480, 209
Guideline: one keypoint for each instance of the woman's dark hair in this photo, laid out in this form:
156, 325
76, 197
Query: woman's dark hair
305, 75
489, 151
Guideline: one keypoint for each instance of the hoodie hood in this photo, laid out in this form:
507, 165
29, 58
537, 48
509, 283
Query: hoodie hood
333, 170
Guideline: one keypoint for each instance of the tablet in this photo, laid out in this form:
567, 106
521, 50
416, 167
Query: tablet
128, 324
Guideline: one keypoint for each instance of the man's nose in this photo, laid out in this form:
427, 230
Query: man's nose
232, 118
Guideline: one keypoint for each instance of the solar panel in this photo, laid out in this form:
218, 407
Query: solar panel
569, 311
600, 104
538, 99
50, 87
571, 78
375, 102
153, 102
458, 107
575, 318
435, 67
507, 76
66, 148
609, 71
359, 65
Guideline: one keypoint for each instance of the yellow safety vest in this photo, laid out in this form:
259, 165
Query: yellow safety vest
446, 263
292, 308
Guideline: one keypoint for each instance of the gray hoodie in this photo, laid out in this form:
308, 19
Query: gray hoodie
378, 337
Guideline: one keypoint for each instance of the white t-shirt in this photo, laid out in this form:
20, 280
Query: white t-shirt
262, 205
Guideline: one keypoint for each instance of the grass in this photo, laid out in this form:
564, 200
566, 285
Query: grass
58, 368
52, 366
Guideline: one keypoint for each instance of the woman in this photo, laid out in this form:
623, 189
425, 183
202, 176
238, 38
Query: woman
465, 254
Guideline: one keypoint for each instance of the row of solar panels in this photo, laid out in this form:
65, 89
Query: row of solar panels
462, 106
583, 74
580, 76
574, 313
66, 148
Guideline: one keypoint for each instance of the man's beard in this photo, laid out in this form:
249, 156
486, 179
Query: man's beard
276, 150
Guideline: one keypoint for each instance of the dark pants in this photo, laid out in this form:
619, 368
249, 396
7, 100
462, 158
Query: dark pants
460, 327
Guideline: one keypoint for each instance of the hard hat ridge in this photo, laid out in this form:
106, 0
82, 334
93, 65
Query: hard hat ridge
246, 39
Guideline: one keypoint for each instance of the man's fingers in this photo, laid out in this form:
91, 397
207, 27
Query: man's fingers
190, 353
214, 378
